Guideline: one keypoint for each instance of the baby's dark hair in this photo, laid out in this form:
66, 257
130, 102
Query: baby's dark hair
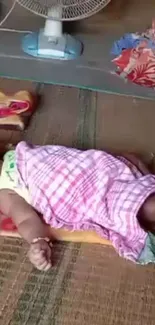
146, 214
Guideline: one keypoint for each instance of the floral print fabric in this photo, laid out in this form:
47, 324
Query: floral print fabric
135, 57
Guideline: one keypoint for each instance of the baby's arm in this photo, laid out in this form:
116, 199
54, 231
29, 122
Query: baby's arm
29, 225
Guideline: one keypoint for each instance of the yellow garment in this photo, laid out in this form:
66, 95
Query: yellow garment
9, 176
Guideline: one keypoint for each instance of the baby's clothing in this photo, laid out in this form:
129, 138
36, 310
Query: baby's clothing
9, 176
86, 190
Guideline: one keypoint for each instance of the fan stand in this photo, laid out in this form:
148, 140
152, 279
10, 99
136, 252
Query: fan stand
50, 42
53, 27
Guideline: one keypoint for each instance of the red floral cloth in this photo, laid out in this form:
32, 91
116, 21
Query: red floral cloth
138, 64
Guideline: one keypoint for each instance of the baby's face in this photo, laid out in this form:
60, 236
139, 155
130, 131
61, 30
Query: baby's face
146, 215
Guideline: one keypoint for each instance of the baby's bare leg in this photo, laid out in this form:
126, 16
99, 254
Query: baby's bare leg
24, 216
29, 225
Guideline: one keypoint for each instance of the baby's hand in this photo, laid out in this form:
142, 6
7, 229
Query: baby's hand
40, 255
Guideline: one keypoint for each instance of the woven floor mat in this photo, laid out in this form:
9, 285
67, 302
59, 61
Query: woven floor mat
89, 284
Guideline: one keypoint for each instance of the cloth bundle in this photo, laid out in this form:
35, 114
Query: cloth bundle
135, 57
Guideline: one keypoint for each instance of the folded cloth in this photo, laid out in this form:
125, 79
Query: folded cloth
148, 253
128, 41
135, 57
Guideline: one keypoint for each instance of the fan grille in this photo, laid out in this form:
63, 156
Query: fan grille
70, 9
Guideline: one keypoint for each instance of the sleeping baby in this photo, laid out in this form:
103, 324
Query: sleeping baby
79, 190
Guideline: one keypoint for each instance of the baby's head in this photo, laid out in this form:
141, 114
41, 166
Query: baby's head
146, 215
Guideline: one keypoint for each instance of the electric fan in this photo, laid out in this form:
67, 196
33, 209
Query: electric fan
50, 42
